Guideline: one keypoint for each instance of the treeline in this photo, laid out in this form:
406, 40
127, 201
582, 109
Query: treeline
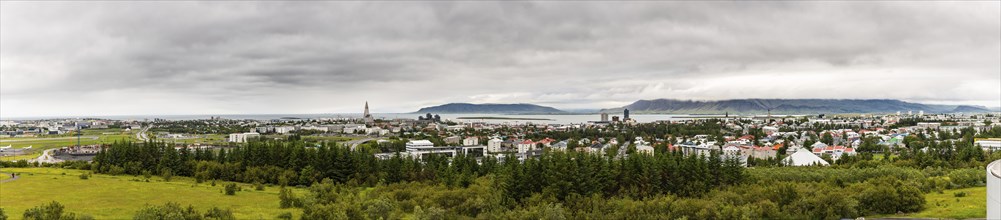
487, 198
295, 163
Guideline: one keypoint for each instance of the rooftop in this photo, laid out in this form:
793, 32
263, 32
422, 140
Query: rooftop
995, 168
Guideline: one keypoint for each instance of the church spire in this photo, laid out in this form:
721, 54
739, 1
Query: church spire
366, 109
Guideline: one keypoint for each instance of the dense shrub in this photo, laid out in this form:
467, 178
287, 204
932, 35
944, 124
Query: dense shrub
51, 211
231, 188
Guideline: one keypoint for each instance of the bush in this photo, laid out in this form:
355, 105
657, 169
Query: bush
287, 199
259, 186
52, 210
285, 216
231, 189
84, 176
116, 170
959, 194
4, 216
167, 211
221, 214
167, 175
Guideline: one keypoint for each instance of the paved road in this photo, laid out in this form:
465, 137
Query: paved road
8, 180
355, 143
141, 135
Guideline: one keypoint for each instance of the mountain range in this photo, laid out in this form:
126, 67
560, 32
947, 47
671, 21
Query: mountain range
789, 106
733, 106
467, 108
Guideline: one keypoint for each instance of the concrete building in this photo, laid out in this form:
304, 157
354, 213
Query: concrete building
470, 141
420, 148
989, 144
494, 145
604, 116
932, 125
284, 129
994, 190
525, 146
242, 137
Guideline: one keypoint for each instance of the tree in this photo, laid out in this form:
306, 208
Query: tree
231, 189
827, 138
50, 211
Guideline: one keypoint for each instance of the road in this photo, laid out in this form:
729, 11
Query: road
355, 143
8, 180
141, 135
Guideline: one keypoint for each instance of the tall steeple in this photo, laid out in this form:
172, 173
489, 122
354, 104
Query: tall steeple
366, 110
369, 120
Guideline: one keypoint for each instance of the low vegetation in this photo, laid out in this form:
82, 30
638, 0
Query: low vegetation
103, 196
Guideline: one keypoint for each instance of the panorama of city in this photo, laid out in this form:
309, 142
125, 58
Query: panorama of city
190, 110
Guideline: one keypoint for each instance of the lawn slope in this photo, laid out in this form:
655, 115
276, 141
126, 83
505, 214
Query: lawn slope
119, 197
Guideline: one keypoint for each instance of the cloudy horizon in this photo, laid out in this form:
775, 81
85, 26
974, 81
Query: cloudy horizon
180, 58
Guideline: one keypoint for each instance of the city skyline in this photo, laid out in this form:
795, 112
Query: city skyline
125, 58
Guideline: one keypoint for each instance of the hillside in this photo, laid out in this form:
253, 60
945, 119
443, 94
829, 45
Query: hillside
467, 108
789, 106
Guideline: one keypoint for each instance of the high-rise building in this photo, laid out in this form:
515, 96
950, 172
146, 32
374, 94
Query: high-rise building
625, 114
604, 116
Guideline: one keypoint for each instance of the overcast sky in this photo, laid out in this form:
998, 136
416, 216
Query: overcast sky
150, 58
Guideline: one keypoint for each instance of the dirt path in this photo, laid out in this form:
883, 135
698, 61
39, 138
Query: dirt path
8, 180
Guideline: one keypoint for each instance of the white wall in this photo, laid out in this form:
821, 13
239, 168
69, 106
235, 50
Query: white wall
994, 190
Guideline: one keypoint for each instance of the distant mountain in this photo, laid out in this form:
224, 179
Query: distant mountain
971, 109
789, 106
467, 108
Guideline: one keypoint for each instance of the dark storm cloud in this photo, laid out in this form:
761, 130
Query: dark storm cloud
243, 57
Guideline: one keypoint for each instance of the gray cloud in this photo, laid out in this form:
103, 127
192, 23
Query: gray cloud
84, 58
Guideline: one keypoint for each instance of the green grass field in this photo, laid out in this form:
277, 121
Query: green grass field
42, 143
201, 139
119, 197
947, 205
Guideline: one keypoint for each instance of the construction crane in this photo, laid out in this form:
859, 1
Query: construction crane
78, 134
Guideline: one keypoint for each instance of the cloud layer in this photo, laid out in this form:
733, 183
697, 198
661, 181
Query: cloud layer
126, 58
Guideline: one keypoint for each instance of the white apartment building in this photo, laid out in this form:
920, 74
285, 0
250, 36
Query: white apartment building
419, 148
494, 145
242, 137
470, 141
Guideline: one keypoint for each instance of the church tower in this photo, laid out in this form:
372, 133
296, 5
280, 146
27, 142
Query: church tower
368, 117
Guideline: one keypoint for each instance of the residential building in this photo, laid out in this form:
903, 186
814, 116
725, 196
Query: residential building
494, 145
803, 157
525, 146
420, 148
470, 141
242, 137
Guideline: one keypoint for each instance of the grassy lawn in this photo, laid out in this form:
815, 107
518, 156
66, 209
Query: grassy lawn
42, 143
200, 139
880, 156
119, 197
947, 205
